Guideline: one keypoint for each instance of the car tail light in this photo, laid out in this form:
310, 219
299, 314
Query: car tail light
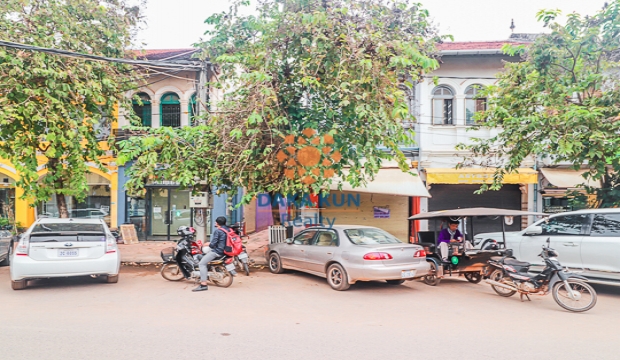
419, 254
22, 246
378, 256
110, 245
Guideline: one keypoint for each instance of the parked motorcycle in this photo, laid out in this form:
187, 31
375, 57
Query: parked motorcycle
182, 262
241, 260
569, 290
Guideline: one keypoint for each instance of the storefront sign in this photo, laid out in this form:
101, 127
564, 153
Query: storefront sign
381, 212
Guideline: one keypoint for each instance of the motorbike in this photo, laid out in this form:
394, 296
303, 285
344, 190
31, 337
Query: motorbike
182, 261
242, 260
570, 290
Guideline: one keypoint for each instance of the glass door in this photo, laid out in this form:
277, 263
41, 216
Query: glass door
180, 212
169, 209
159, 213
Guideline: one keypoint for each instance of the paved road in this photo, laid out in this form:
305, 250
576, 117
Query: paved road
294, 316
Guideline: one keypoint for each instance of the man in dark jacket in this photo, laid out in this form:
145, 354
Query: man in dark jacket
217, 244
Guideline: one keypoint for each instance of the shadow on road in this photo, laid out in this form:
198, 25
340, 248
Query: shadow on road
59, 283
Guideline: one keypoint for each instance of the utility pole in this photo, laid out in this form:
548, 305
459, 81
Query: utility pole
202, 110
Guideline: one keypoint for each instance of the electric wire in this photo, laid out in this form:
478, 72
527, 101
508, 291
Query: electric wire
186, 65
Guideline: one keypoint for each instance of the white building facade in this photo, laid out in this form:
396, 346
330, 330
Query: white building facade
446, 103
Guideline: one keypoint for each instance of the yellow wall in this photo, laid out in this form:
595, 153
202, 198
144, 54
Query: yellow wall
344, 211
24, 209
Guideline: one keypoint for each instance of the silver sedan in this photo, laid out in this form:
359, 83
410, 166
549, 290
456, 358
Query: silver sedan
345, 254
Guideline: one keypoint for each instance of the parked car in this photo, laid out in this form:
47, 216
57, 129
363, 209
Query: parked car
587, 240
6, 247
345, 254
90, 213
54, 247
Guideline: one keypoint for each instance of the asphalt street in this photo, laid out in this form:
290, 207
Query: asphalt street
294, 316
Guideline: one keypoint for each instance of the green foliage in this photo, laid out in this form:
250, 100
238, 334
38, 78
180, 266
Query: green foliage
340, 68
52, 105
562, 101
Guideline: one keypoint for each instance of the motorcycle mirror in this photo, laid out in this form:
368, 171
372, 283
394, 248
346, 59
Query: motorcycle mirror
548, 241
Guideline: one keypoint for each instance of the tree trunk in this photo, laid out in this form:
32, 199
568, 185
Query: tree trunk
275, 208
61, 203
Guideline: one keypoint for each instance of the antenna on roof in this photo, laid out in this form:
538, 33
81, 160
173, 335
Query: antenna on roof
512, 25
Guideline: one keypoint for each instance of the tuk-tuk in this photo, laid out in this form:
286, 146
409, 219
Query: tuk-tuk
471, 263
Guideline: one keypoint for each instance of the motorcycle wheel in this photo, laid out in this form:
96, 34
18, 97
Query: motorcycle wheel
432, 279
246, 268
473, 277
172, 272
587, 296
498, 276
228, 278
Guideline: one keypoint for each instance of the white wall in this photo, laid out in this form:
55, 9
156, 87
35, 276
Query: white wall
437, 142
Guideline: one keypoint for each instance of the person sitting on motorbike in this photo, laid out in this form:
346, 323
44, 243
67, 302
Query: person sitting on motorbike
451, 235
217, 244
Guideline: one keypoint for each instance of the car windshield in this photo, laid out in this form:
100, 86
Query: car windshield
370, 237
68, 227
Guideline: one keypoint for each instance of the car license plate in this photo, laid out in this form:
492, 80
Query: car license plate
68, 253
243, 256
407, 274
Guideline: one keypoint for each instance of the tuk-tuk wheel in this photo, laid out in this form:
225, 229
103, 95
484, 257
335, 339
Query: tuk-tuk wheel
473, 277
432, 279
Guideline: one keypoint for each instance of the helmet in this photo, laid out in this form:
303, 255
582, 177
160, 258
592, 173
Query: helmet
185, 230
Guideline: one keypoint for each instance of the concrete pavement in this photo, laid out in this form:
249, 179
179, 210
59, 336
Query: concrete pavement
293, 316
149, 251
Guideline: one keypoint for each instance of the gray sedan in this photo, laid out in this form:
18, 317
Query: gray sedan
345, 254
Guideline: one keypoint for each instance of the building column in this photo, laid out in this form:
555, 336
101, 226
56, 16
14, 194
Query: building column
114, 200
24, 213
155, 115
524, 204
184, 113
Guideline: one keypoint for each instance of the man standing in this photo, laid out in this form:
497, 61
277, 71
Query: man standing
451, 234
217, 244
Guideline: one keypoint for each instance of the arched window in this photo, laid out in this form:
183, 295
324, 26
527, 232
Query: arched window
143, 111
473, 103
443, 105
170, 110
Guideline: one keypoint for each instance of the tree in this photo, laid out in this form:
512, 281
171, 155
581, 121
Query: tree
561, 101
310, 87
52, 107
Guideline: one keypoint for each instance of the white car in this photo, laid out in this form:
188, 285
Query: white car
54, 247
587, 241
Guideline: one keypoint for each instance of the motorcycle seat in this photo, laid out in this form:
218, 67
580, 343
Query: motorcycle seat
516, 262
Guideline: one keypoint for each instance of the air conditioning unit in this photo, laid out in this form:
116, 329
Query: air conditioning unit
202, 200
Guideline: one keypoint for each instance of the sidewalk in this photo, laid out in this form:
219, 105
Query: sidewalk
149, 251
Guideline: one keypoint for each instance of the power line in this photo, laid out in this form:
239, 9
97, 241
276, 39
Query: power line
183, 65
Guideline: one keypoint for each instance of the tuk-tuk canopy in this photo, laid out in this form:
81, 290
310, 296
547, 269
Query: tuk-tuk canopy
469, 212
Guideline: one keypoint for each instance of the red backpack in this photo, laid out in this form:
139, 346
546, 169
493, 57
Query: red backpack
233, 246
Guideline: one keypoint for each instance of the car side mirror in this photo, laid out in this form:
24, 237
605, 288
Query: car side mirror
534, 230
288, 241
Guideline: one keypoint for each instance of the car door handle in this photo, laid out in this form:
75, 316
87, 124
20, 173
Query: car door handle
302, 250
329, 253
570, 244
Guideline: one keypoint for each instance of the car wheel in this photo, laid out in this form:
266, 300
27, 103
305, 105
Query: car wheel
275, 265
7, 261
112, 279
19, 284
394, 282
337, 277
